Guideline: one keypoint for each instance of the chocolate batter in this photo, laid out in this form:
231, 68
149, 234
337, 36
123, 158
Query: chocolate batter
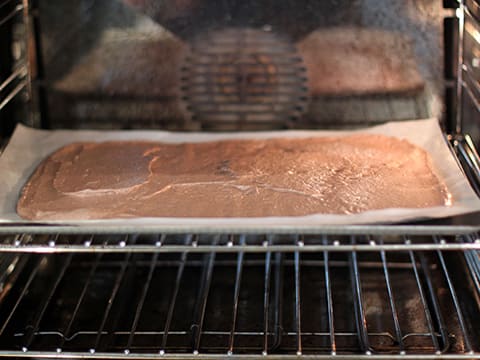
232, 178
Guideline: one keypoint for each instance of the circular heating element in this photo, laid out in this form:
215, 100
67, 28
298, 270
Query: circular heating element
244, 78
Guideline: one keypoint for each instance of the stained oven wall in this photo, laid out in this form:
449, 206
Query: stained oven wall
118, 64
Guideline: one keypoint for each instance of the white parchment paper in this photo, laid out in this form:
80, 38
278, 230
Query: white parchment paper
28, 147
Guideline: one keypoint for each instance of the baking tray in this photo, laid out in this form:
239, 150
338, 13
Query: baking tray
28, 147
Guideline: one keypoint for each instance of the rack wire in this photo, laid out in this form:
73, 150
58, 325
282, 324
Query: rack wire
14, 13
279, 305
120, 242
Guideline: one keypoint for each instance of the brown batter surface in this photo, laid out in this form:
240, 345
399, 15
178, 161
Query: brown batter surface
233, 178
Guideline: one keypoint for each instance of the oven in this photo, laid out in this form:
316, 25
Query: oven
387, 291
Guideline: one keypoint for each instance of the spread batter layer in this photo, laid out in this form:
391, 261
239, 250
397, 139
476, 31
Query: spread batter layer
231, 178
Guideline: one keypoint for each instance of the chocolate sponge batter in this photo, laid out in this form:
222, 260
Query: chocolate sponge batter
231, 178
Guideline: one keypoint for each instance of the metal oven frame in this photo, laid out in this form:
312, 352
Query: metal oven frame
253, 291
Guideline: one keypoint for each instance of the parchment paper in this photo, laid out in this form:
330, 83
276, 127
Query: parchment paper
28, 147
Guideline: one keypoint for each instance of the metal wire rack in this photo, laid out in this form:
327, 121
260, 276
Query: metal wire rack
179, 304
350, 239
14, 15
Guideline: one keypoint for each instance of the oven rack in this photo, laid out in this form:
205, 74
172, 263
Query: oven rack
162, 240
16, 20
12, 85
468, 158
242, 306
338, 240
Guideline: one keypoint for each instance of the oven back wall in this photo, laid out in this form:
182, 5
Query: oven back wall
142, 64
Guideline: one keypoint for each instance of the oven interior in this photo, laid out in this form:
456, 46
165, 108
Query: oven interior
386, 291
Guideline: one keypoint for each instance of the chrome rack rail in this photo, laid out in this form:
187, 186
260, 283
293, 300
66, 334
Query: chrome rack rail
16, 12
468, 154
237, 243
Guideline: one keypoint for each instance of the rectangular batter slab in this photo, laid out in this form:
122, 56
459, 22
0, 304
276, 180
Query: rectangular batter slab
232, 178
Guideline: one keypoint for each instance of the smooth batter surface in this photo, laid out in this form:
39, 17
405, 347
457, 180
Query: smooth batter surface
232, 178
